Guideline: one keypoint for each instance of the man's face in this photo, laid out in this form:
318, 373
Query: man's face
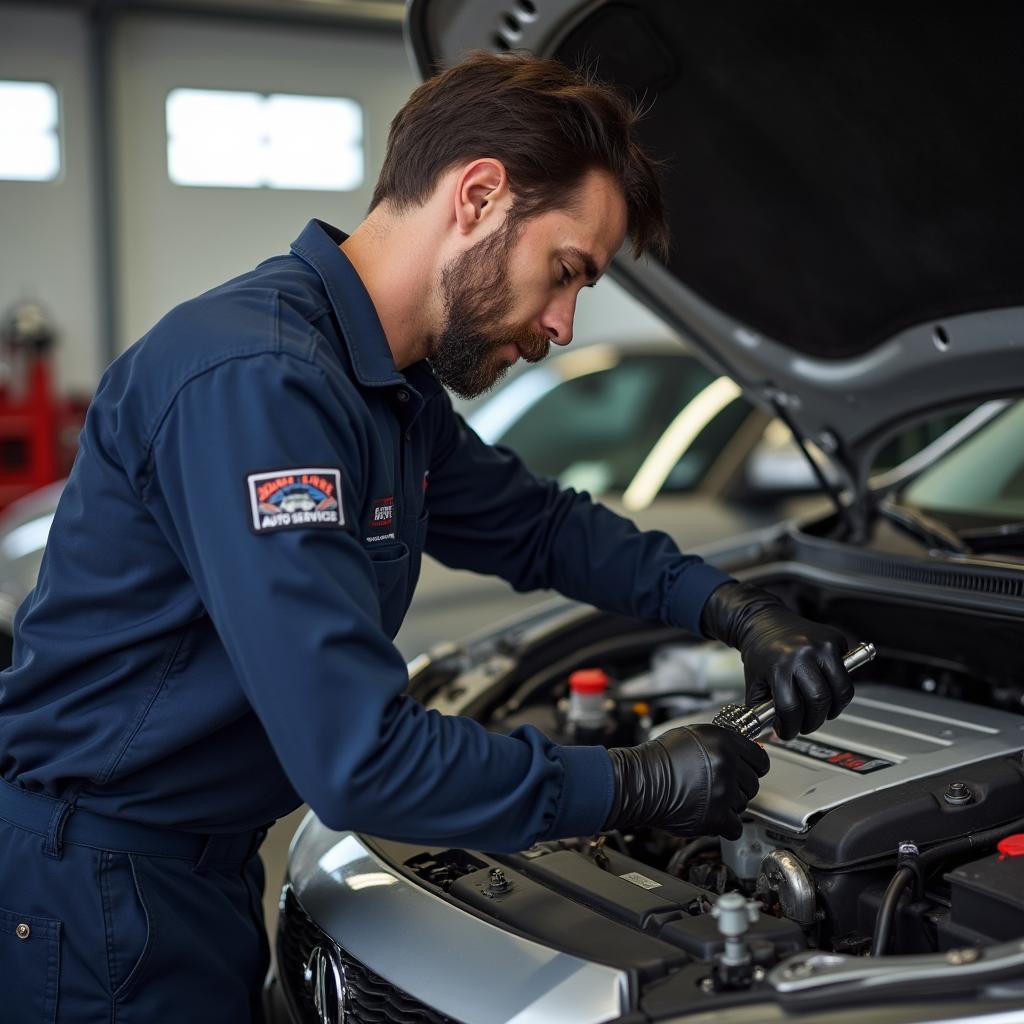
512, 293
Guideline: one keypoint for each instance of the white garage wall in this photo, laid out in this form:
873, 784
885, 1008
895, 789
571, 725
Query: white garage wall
176, 241
48, 246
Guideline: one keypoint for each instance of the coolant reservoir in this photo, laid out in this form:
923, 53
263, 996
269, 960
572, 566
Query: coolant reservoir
708, 669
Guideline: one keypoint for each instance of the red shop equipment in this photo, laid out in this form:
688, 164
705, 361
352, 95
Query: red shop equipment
38, 429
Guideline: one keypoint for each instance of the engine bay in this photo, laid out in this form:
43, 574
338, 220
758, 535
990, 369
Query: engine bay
892, 830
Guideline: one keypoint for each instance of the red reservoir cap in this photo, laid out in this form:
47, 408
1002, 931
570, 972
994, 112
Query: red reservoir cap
588, 680
1011, 846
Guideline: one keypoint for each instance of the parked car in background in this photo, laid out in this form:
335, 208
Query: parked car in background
845, 197
636, 421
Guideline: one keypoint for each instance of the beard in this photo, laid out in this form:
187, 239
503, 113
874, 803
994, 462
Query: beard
475, 286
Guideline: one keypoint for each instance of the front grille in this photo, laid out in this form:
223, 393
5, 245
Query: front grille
369, 999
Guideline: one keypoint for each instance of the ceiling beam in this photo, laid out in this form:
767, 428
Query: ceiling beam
385, 15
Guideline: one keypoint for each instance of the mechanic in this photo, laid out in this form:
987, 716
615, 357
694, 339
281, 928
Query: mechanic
210, 640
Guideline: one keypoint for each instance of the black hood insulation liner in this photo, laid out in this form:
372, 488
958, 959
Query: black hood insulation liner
836, 172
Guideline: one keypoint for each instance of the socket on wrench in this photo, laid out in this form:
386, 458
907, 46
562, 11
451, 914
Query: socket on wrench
751, 722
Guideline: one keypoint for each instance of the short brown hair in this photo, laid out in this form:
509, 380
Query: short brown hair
549, 125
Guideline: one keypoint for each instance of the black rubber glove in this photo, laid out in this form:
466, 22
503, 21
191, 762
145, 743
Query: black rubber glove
689, 781
797, 663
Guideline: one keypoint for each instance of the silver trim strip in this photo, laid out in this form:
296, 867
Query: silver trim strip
463, 967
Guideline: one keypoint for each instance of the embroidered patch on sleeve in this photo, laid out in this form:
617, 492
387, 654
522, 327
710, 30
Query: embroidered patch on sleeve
288, 499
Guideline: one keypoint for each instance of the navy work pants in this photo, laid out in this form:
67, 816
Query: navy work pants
95, 933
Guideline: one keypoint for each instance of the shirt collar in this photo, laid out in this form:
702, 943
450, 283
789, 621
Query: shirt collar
361, 329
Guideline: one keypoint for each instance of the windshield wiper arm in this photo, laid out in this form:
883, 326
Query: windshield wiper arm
994, 538
923, 527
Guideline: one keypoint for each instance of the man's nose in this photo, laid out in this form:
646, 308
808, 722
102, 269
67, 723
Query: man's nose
557, 321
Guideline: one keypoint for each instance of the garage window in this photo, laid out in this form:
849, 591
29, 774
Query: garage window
29, 139
217, 138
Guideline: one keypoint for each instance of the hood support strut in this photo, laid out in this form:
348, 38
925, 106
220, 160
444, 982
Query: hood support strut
842, 510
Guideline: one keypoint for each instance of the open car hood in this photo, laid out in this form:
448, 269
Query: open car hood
844, 187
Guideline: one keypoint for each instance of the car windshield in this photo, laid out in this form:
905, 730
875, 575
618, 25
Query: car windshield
980, 481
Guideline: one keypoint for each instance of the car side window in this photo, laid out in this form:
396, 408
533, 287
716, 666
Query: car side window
594, 430
706, 447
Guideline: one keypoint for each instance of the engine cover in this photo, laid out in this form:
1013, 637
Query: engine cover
887, 737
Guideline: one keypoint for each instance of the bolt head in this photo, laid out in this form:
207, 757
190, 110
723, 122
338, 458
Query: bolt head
498, 882
958, 793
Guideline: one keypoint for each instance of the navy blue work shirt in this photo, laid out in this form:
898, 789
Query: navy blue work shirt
210, 639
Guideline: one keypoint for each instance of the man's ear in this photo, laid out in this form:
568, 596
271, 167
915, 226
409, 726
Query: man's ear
481, 190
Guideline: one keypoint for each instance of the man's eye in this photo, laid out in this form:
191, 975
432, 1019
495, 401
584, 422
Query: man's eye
566, 275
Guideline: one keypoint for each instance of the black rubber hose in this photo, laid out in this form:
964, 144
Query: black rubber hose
682, 856
887, 912
926, 863
976, 842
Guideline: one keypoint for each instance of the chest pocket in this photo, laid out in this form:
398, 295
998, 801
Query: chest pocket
397, 568
391, 568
